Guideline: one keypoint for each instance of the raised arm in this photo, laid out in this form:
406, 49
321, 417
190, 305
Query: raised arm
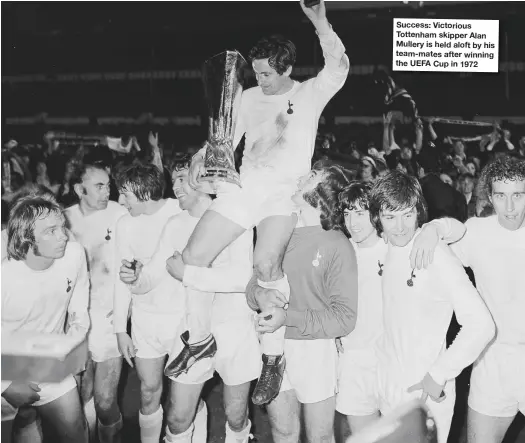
336, 64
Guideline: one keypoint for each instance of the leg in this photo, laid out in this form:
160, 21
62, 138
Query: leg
483, 428
319, 421
236, 405
182, 406
356, 422
87, 379
212, 234
107, 377
27, 427
66, 416
150, 373
283, 413
273, 235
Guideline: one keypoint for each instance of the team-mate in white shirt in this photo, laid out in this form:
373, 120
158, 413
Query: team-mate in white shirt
238, 359
357, 396
494, 248
279, 118
154, 314
93, 221
418, 306
43, 280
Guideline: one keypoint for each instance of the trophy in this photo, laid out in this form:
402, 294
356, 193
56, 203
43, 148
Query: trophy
223, 85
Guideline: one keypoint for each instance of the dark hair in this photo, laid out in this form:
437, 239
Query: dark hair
145, 181
505, 168
21, 224
325, 196
280, 52
81, 170
396, 191
182, 163
356, 194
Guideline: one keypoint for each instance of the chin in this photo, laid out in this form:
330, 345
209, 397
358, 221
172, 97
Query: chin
400, 242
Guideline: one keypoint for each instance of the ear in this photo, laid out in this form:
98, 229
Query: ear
288, 72
79, 189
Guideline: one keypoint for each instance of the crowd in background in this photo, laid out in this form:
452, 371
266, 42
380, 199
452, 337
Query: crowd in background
418, 149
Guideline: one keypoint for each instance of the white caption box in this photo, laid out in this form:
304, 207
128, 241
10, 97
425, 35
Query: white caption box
444, 45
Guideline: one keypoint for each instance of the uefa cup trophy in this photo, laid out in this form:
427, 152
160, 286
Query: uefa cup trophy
223, 84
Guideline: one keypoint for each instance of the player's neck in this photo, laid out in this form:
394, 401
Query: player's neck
153, 206
200, 207
287, 87
310, 216
370, 241
85, 209
38, 263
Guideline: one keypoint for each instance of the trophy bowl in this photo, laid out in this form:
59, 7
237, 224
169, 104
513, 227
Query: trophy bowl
224, 76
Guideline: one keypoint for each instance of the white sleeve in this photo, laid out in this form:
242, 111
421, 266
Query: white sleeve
336, 67
122, 294
477, 326
78, 315
155, 270
450, 229
233, 277
462, 247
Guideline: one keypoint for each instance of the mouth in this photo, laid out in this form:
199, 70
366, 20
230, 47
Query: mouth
511, 217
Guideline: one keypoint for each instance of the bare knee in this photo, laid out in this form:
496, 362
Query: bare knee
192, 257
179, 419
237, 416
150, 393
105, 404
268, 268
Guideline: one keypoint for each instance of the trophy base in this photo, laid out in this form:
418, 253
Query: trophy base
216, 175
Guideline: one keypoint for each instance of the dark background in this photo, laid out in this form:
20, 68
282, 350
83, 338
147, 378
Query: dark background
50, 39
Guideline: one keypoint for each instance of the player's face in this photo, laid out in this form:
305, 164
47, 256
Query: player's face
358, 223
186, 195
508, 199
399, 226
95, 186
305, 184
271, 82
131, 203
50, 236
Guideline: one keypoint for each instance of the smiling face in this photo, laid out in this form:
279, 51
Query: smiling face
186, 195
270, 81
358, 223
399, 226
508, 199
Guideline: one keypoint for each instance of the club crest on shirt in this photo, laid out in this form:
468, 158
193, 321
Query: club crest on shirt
68, 285
315, 262
108, 237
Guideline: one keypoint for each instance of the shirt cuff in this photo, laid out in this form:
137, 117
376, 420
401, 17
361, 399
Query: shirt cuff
295, 319
190, 275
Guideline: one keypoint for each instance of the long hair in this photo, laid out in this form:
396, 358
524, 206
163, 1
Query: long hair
280, 52
325, 196
21, 224
505, 168
396, 191
145, 181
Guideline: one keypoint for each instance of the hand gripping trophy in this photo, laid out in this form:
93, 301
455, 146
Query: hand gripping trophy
223, 83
